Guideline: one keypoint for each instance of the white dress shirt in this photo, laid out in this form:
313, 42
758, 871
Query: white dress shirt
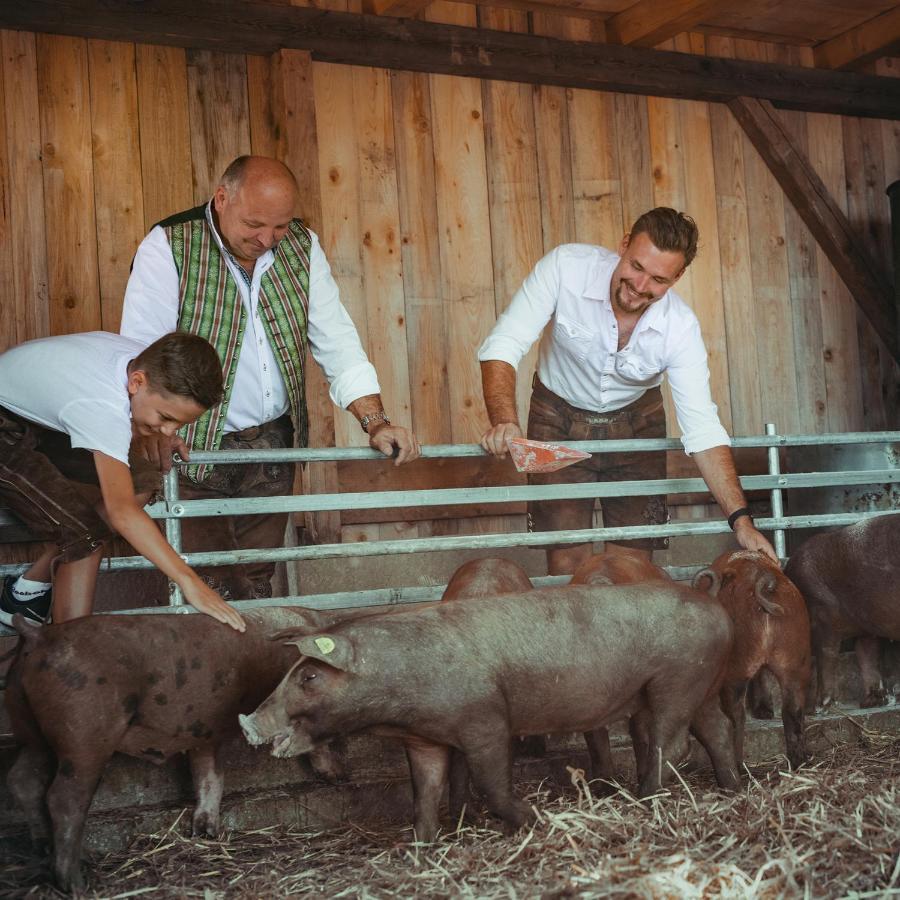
76, 384
579, 359
259, 394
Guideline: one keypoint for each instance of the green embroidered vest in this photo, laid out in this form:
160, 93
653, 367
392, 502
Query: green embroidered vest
209, 305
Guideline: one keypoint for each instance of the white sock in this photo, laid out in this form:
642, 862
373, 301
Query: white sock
24, 589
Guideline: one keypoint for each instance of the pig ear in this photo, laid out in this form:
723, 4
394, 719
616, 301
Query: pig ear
331, 649
310, 620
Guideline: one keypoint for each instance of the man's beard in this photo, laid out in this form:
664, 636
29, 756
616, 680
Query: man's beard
629, 302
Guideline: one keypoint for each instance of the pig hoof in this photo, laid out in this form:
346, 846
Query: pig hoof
204, 825
875, 697
762, 711
70, 882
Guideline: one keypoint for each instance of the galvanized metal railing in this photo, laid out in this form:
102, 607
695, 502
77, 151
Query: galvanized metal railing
172, 509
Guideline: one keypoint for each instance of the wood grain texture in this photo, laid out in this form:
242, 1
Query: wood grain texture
341, 230
466, 267
216, 82
858, 267
737, 279
707, 296
635, 175
264, 127
64, 98
840, 346
382, 267
28, 300
774, 326
165, 132
648, 22
296, 136
515, 204
117, 171
421, 258
804, 288
596, 186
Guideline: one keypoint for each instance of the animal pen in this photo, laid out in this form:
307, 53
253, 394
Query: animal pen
442, 148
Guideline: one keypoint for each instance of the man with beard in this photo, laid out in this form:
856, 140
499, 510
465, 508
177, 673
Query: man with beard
616, 326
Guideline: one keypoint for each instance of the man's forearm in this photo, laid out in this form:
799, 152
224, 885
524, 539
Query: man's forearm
498, 382
370, 405
717, 467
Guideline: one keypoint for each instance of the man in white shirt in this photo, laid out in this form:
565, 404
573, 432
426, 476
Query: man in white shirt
248, 276
617, 327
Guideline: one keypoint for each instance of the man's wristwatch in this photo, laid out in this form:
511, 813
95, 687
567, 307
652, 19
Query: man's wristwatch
743, 511
366, 421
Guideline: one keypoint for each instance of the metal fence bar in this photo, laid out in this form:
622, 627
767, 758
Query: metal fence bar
457, 496
777, 505
448, 451
473, 542
173, 531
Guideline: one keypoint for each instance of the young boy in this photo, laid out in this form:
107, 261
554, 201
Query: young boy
69, 406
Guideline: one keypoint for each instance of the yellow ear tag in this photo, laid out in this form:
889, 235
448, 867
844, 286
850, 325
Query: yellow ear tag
325, 644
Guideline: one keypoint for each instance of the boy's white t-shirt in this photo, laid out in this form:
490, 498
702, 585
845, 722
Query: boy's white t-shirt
75, 383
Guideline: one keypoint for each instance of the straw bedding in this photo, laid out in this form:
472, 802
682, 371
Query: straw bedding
829, 830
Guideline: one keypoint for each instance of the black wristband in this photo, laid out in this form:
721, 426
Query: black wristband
743, 511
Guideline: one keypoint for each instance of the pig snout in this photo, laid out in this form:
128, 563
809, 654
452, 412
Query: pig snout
251, 732
285, 737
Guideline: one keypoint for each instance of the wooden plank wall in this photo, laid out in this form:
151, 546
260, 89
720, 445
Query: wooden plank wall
433, 197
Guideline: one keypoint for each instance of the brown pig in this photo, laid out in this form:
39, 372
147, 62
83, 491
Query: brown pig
473, 675
849, 579
623, 565
485, 578
771, 630
146, 685
472, 580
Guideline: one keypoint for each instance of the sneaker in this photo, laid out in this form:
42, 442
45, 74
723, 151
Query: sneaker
35, 610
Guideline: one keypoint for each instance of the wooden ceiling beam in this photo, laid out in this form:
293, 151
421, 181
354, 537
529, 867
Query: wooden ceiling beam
844, 248
649, 22
250, 26
877, 37
400, 8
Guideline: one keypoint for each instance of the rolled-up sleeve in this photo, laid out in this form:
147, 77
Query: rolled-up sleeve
531, 307
333, 338
697, 414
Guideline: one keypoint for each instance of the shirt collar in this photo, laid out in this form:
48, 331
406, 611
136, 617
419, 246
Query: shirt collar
598, 285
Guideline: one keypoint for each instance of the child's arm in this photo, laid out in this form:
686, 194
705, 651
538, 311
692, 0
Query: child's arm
128, 519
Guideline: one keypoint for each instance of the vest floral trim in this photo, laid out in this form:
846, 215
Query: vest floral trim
210, 306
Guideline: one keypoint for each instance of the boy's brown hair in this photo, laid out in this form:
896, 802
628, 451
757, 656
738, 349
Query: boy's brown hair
670, 230
185, 365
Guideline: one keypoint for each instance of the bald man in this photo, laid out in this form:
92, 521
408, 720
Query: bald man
246, 274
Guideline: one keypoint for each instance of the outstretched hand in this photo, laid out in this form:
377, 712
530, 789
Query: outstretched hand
394, 440
204, 599
751, 538
494, 439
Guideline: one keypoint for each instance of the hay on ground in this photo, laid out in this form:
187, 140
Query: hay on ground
829, 830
